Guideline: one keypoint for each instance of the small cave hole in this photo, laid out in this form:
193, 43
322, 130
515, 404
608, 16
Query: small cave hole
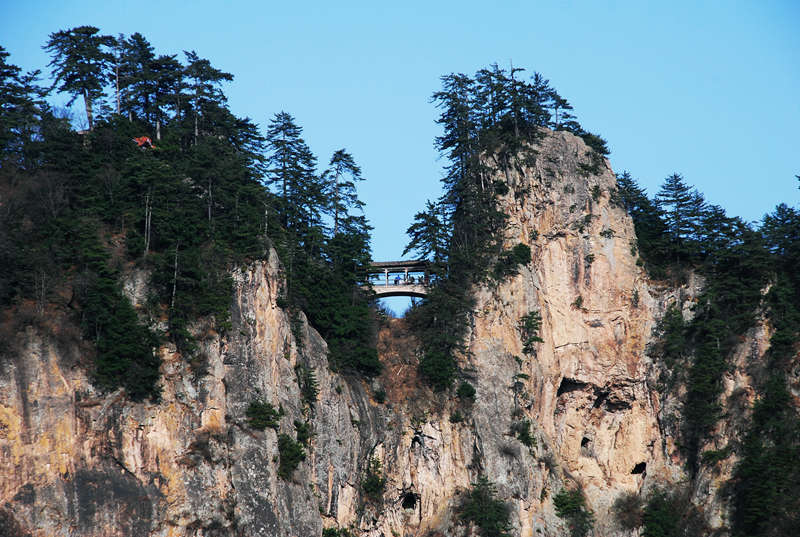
601, 398
585, 441
639, 468
569, 385
410, 500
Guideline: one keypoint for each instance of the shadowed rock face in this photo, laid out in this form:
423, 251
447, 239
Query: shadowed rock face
77, 462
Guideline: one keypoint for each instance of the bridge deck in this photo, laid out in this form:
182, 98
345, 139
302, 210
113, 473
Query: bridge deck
397, 278
413, 290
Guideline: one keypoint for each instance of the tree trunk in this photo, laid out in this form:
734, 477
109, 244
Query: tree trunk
88, 102
158, 130
116, 79
196, 110
210, 203
174, 277
148, 213
336, 205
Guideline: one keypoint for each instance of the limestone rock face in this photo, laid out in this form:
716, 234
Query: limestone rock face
77, 462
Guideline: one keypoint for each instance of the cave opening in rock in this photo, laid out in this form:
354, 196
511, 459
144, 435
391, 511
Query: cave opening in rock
601, 398
569, 385
410, 500
639, 468
585, 441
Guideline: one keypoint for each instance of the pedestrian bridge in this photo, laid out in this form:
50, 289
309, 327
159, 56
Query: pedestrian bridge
399, 278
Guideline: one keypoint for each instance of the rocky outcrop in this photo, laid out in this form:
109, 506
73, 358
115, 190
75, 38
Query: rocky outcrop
77, 462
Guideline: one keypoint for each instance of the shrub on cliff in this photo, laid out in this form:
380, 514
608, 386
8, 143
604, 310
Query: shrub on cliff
482, 508
374, 481
508, 261
291, 455
529, 326
571, 506
261, 415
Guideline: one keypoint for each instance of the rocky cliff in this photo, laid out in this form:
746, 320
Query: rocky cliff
77, 462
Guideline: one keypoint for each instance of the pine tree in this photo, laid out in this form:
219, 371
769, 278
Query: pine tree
561, 115
135, 76
428, 235
292, 169
651, 232
21, 105
682, 208
167, 86
340, 186
80, 61
205, 82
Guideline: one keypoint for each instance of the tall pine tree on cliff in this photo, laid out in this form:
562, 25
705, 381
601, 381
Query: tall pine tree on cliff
80, 61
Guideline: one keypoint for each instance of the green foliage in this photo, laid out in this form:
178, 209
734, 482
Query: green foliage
428, 235
482, 508
725, 310
22, 110
291, 455
529, 326
676, 229
596, 142
651, 233
766, 480
185, 213
438, 369
671, 514
713, 456
323, 266
491, 125
380, 395
465, 390
456, 417
671, 345
571, 506
767, 477
80, 58
303, 429
337, 532
124, 354
593, 167
522, 430
374, 481
500, 188
628, 511
508, 261
261, 415
309, 388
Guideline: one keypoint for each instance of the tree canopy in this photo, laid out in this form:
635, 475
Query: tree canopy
200, 199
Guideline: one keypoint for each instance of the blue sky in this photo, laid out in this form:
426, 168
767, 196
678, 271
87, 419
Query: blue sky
710, 90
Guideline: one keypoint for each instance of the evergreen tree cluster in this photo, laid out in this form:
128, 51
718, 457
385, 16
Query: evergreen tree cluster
492, 122
678, 230
322, 236
481, 507
80, 207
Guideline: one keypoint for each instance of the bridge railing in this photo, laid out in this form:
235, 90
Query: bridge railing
390, 278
